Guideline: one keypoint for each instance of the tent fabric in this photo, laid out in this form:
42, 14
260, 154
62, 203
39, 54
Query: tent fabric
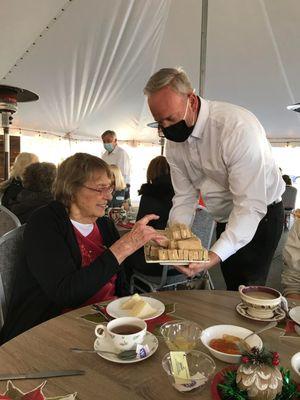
89, 68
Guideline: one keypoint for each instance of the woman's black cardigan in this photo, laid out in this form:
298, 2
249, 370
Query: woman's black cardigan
49, 276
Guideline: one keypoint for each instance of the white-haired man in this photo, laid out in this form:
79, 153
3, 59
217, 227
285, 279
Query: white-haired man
114, 154
221, 150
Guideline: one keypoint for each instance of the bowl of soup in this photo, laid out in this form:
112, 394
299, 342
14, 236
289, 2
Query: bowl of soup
261, 301
223, 342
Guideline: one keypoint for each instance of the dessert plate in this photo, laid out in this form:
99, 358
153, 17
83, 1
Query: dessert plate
279, 314
114, 308
105, 344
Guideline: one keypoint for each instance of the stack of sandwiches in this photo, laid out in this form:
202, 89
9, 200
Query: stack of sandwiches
180, 245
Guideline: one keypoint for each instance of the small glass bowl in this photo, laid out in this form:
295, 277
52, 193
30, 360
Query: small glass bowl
201, 369
181, 335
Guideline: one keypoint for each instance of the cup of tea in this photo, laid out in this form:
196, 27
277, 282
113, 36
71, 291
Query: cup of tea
262, 301
125, 332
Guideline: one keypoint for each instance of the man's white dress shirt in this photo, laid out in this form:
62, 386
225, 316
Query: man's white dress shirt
229, 159
120, 158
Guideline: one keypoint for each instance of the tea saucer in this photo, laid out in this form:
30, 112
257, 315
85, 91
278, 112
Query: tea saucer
106, 344
279, 314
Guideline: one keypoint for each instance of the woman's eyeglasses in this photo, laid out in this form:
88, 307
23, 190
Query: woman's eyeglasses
105, 190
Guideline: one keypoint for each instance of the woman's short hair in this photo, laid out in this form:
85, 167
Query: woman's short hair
39, 177
74, 172
175, 78
157, 167
117, 177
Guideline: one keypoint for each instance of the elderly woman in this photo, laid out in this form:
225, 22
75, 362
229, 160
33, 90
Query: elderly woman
38, 180
12, 187
73, 256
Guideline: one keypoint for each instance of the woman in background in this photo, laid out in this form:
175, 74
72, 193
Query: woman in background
157, 193
11, 187
38, 180
119, 198
156, 197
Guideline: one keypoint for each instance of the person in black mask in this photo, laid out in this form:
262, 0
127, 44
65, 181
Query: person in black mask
220, 150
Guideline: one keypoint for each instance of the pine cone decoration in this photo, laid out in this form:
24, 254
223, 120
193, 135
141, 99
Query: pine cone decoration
262, 382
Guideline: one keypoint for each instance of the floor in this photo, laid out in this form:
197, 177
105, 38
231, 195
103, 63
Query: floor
274, 278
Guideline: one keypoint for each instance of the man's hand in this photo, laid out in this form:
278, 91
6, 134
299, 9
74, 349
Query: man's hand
194, 268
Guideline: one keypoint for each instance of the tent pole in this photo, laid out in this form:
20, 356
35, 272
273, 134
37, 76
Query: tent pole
203, 47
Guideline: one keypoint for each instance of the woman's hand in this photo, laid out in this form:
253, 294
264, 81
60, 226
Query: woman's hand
140, 234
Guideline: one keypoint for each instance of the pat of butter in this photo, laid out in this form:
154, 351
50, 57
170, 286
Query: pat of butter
180, 367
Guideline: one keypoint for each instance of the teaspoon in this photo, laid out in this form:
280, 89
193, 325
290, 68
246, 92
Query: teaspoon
123, 355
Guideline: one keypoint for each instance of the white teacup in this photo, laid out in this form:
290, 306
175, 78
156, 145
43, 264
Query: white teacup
262, 301
125, 332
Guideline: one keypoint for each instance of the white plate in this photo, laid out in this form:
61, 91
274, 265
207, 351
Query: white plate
114, 308
295, 314
106, 344
279, 314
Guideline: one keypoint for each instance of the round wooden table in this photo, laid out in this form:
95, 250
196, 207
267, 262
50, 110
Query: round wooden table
46, 347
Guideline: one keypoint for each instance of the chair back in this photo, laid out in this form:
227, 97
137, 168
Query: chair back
203, 227
10, 253
8, 220
289, 198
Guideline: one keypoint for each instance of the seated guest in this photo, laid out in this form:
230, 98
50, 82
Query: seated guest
38, 180
157, 193
13, 185
291, 267
72, 255
156, 197
120, 195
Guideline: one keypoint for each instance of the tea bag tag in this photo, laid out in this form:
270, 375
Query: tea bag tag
180, 367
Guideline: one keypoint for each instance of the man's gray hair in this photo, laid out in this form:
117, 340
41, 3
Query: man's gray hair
175, 78
108, 133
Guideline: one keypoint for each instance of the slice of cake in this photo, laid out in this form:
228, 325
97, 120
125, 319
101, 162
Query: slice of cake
142, 309
128, 304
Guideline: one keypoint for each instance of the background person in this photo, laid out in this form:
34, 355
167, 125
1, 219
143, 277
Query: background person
38, 180
119, 195
72, 255
291, 266
222, 150
156, 197
11, 187
114, 154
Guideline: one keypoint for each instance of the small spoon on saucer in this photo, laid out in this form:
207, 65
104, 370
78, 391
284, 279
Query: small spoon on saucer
123, 355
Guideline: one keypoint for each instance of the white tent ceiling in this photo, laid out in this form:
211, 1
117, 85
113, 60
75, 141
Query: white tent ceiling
90, 66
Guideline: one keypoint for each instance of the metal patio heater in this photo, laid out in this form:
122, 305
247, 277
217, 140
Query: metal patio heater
9, 98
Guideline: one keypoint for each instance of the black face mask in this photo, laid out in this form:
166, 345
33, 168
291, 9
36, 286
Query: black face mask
178, 132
